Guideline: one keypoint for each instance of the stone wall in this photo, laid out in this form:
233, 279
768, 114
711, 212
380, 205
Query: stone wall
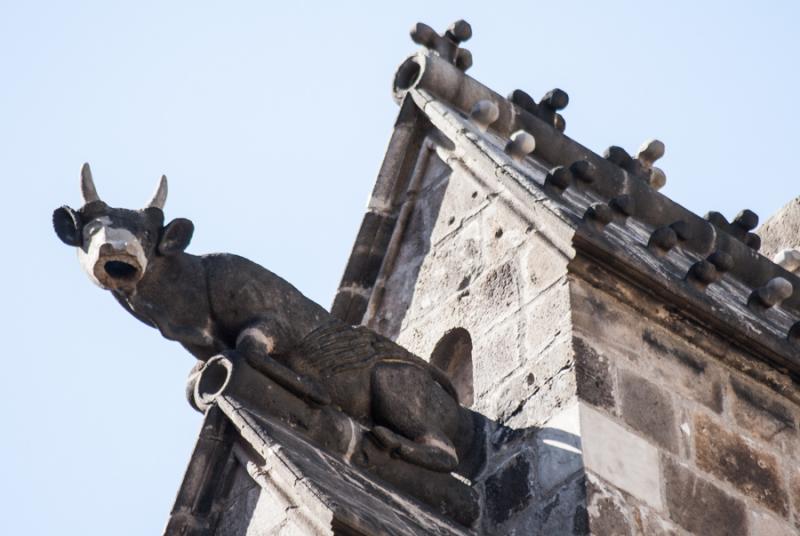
678, 434
472, 257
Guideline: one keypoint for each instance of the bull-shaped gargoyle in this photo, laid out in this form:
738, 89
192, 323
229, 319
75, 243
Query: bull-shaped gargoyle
225, 303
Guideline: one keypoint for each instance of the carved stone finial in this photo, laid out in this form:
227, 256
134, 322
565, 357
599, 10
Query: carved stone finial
459, 31
484, 113
747, 220
546, 110
584, 171
667, 237
520, 145
648, 153
662, 240
619, 156
599, 215
794, 334
622, 205
448, 44
739, 228
617, 209
703, 273
773, 293
559, 178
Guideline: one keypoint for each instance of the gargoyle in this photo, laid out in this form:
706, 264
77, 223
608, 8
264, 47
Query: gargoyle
225, 303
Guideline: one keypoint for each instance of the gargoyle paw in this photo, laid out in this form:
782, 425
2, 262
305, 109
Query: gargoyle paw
387, 439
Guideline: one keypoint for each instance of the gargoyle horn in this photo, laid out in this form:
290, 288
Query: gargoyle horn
88, 191
160, 196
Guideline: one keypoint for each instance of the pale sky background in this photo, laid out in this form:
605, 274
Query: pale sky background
270, 122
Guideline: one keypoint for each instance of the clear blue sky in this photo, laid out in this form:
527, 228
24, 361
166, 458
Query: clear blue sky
270, 123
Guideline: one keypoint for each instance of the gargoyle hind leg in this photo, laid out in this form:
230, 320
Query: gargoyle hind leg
258, 342
415, 411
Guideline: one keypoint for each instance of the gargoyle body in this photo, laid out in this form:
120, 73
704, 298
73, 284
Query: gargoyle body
225, 303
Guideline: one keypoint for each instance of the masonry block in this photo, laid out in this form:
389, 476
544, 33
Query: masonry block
548, 396
728, 457
504, 228
594, 377
558, 450
546, 318
495, 356
509, 490
542, 265
447, 269
684, 367
564, 512
622, 458
764, 415
648, 409
493, 296
250, 505
699, 506
608, 510
463, 199
650, 523
764, 524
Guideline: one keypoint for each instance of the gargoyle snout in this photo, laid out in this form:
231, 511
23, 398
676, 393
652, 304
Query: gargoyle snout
114, 259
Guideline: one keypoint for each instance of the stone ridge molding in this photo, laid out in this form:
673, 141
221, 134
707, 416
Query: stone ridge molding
618, 189
605, 232
573, 165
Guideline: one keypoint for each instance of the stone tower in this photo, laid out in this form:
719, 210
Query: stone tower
634, 366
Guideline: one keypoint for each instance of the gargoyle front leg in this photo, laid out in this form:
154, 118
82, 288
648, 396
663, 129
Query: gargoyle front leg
265, 338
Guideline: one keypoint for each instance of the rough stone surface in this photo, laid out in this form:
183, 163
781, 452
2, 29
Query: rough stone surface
509, 490
699, 506
763, 523
620, 457
648, 409
542, 267
564, 512
607, 510
681, 365
781, 230
245, 506
762, 414
727, 456
593, 376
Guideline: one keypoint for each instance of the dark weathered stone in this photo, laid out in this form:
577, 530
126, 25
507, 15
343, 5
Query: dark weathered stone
222, 304
509, 489
727, 456
580, 521
606, 515
562, 512
594, 379
692, 371
446, 45
699, 506
762, 414
648, 409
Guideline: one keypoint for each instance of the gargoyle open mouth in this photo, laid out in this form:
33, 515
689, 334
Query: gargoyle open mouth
121, 270
118, 271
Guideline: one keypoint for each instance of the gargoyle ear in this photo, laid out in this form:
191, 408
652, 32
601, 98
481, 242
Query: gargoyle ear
68, 226
176, 236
